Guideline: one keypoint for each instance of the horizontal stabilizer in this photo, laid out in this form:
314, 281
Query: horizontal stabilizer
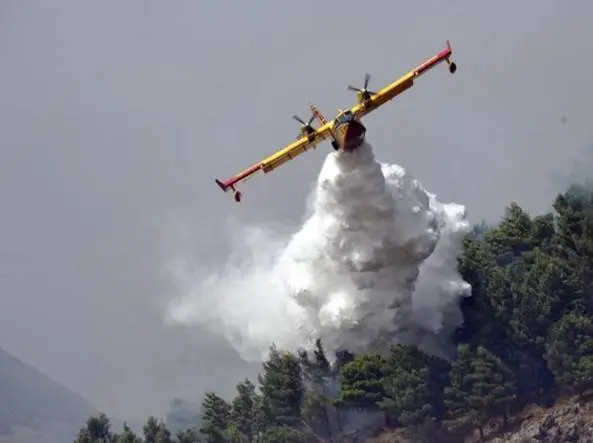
222, 185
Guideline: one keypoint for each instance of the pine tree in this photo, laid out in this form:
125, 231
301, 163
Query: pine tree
413, 387
97, 429
282, 389
128, 436
150, 429
315, 413
244, 410
570, 352
513, 236
493, 387
484, 313
163, 435
574, 241
459, 387
361, 382
318, 410
216, 413
481, 386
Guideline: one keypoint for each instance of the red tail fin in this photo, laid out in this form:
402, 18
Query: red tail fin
223, 186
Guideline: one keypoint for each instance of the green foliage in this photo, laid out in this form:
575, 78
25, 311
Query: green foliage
283, 434
317, 368
282, 389
155, 431
315, 412
413, 386
96, 430
362, 381
481, 387
570, 352
128, 436
317, 409
245, 413
216, 414
527, 337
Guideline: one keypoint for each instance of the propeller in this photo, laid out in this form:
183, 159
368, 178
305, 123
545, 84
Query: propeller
306, 127
363, 93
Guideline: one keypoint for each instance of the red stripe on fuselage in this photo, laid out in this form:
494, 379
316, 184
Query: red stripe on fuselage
429, 64
237, 178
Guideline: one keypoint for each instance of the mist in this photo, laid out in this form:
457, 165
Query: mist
116, 117
373, 264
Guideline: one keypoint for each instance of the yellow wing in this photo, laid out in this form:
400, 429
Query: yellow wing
403, 83
384, 95
277, 159
296, 148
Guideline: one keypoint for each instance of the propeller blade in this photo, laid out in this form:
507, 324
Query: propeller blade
352, 88
367, 78
311, 120
298, 119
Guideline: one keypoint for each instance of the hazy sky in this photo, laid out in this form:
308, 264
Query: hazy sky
116, 116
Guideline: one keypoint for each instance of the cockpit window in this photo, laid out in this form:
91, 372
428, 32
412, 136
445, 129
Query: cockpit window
345, 118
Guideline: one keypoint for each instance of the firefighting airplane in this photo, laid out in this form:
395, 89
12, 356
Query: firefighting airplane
346, 131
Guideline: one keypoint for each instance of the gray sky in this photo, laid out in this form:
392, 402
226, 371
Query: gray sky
116, 116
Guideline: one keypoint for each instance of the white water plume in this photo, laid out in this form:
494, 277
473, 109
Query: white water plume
374, 263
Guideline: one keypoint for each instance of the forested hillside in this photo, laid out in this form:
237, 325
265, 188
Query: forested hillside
527, 339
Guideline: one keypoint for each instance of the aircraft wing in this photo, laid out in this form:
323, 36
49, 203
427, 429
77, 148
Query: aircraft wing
404, 83
277, 159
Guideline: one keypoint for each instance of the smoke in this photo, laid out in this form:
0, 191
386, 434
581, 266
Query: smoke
374, 263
